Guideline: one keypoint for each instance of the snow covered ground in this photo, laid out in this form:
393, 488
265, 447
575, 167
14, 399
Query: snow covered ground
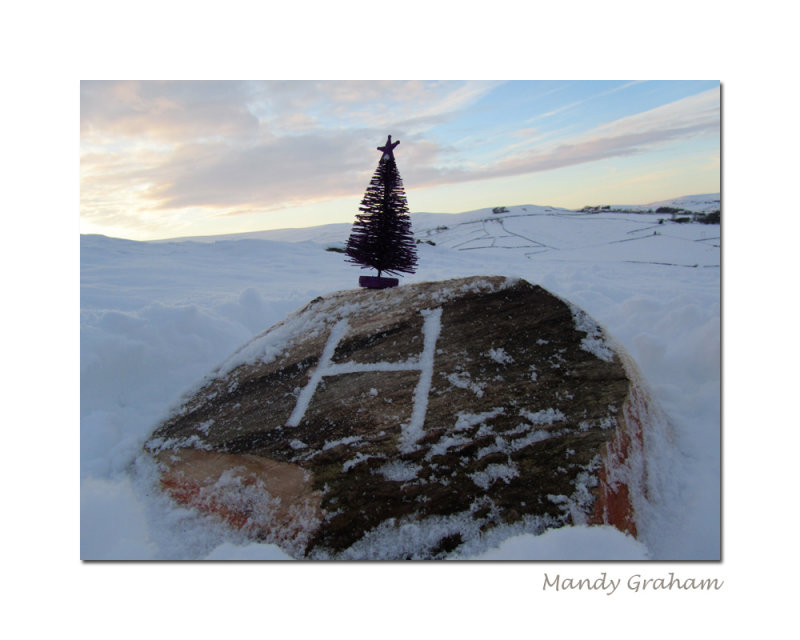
157, 316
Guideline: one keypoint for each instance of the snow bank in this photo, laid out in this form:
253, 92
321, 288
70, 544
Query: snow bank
113, 521
252, 551
569, 543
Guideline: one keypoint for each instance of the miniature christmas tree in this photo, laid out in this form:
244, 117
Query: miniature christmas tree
381, 237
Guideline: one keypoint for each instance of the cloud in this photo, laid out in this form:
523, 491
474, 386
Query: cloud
164, 111
284, 171
179, 109
693, 116
700, 112
258, 145
577, 103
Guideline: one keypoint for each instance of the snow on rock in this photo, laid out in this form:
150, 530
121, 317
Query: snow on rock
593, 342
354, 429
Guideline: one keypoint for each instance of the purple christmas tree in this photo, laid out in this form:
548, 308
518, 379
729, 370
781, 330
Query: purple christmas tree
381, 237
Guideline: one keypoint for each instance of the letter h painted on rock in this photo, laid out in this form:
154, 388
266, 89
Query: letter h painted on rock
413, 429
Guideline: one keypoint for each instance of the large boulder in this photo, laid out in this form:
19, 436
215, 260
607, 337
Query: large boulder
414, 422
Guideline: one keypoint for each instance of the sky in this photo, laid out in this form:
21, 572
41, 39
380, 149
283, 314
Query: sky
162, 159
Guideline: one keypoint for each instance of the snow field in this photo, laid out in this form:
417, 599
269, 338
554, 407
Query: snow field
157, 317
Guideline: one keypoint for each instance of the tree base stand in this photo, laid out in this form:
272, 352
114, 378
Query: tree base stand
374, 282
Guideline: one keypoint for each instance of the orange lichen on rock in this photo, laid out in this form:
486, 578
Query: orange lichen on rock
265, 497
623, 472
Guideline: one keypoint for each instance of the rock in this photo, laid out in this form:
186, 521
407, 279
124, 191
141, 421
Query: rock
414, 422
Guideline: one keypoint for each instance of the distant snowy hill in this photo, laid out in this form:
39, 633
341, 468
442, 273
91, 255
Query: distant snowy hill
323, 233
339, 231
700, 203
156, 317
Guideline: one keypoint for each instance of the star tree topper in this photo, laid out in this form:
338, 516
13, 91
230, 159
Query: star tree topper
388, 149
